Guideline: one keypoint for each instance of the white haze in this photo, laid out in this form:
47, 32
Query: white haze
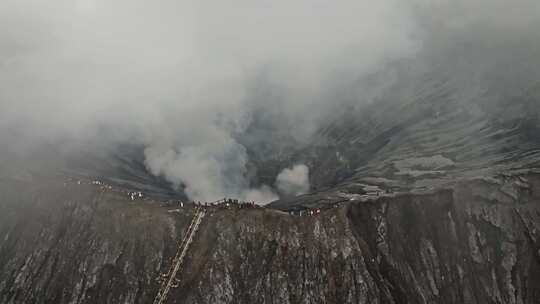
175, 76
293, 181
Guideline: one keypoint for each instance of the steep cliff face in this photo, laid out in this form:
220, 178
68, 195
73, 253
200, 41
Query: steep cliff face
474, 241
80, 244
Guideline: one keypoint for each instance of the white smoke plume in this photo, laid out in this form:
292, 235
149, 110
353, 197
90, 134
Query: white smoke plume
177, 76
293, 181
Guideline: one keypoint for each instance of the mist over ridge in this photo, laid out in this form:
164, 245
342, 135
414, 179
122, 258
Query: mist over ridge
198, 85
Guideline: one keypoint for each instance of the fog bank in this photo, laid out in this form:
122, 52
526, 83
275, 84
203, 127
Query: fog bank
184, 79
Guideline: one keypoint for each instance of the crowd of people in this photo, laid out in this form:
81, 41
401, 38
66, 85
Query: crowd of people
225, 203
306, 212
135, 195
132, 195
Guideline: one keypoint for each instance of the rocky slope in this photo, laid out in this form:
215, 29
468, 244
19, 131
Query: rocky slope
473, 241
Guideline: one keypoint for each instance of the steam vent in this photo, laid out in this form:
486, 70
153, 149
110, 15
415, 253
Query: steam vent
269, 152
